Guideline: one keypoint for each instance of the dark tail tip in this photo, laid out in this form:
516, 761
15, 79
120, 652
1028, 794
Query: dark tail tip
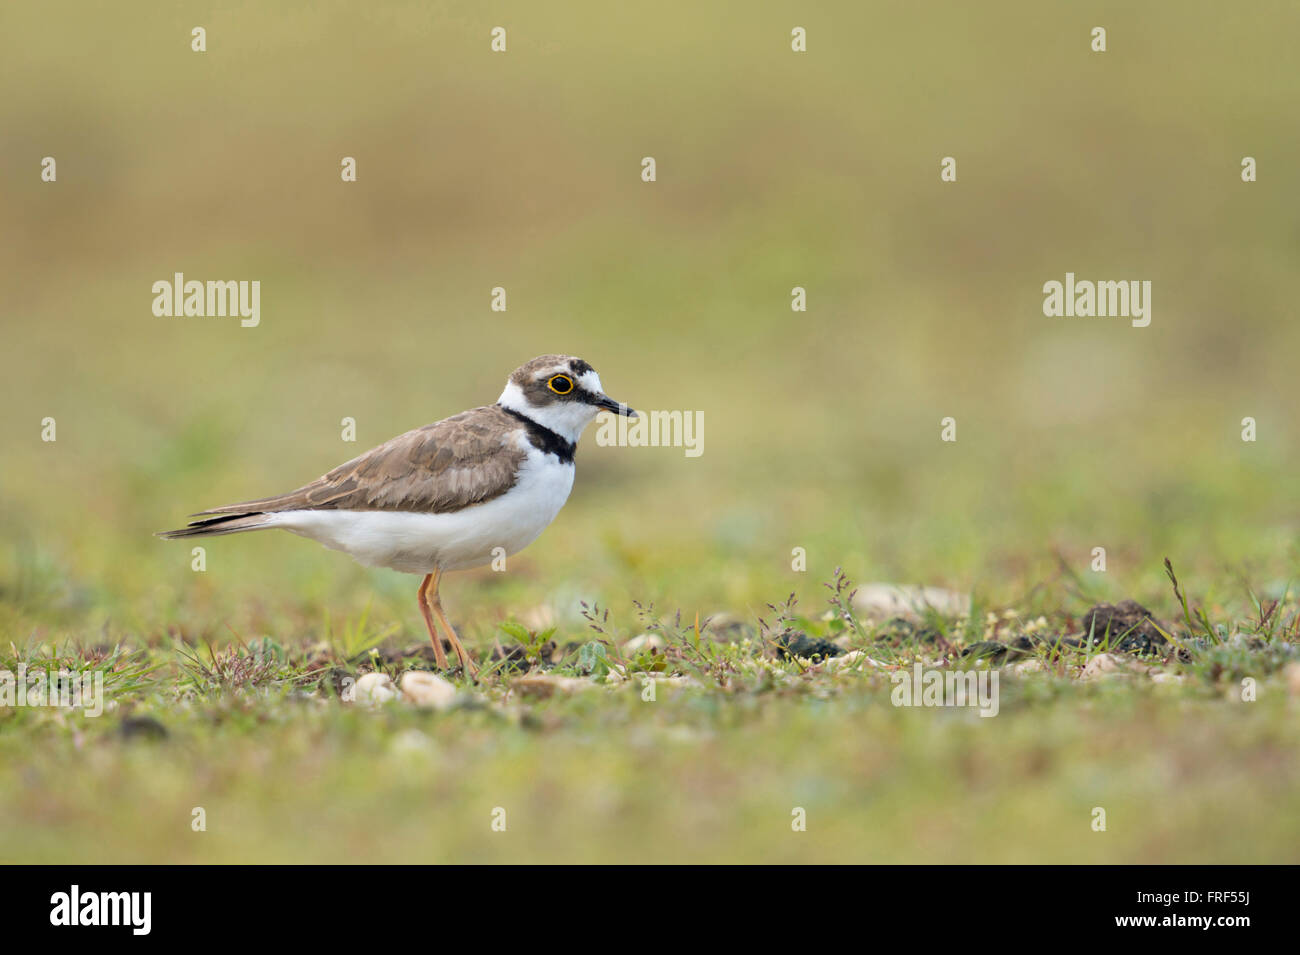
209, 526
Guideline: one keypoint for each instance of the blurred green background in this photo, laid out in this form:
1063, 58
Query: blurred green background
775, 170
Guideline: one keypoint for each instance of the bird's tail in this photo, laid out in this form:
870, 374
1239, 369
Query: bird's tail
225, 524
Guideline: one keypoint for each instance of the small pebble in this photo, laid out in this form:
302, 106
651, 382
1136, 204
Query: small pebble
1291, 673
427, 689
373, 689
546, 684
142, 727
1103, 666
646, 641
886, 601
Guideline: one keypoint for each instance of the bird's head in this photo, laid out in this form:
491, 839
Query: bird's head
559, 392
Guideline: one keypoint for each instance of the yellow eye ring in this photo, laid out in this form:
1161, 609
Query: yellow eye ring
560, 384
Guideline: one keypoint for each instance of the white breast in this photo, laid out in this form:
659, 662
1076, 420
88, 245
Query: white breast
421, 543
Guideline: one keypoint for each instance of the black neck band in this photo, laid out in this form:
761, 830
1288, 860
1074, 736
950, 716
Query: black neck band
543, 438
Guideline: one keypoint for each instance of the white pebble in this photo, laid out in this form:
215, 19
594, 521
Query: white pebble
427, 689
373, 689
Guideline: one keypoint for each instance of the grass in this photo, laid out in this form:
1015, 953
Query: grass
589, 764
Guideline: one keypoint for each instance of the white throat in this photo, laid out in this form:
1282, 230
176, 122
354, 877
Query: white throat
565, 418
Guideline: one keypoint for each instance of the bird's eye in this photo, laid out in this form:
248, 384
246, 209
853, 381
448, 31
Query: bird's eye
560, 384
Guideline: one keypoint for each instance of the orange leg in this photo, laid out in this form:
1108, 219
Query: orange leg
438, 653
431, 595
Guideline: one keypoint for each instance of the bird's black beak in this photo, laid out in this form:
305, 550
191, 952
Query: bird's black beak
606, 403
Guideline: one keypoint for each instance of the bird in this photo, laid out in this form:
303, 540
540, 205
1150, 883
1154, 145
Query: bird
448, 496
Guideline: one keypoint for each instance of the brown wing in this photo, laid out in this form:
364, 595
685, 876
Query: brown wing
446, 466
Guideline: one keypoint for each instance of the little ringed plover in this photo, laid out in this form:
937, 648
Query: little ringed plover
447, 495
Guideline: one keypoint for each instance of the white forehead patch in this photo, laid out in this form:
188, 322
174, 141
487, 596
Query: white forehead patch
591, 382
